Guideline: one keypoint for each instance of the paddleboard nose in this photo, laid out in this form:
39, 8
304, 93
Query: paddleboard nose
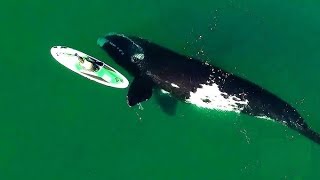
54, 51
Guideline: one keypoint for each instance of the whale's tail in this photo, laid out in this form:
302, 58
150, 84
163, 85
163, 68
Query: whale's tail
265, 104
291, 118
309, 133
295, 121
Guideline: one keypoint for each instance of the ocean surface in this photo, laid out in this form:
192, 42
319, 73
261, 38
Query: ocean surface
57, 125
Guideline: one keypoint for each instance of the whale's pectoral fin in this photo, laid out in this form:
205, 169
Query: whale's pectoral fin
140, 90
167, 103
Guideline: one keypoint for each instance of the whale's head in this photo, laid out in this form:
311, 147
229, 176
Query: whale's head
125, 51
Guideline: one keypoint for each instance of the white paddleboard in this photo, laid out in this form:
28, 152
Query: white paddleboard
89, 67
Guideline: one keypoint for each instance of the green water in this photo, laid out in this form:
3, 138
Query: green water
58, 125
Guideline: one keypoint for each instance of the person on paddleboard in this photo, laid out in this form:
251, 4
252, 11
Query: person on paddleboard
87, 64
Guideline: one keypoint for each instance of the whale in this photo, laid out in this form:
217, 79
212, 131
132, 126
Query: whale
194, 81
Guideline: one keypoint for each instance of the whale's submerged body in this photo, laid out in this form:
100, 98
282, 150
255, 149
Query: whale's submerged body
196, 82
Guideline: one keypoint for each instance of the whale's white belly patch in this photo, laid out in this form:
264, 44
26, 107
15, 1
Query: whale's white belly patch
209, 96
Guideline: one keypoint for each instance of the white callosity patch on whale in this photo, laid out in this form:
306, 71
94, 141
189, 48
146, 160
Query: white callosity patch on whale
137, 57
174, 85
210, 96
136, 45
112, 44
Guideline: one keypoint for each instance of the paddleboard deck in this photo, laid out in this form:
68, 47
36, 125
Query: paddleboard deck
89, 67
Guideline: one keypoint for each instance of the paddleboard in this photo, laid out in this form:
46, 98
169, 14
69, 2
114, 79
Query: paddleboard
89, 67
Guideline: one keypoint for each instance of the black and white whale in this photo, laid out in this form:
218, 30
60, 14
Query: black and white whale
194, 81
